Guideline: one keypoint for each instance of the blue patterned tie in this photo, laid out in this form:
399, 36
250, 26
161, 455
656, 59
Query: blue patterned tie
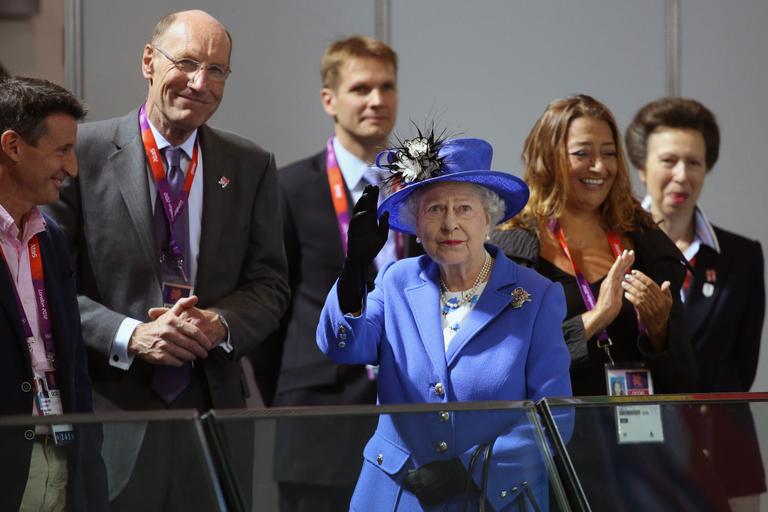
176, 183
169, 381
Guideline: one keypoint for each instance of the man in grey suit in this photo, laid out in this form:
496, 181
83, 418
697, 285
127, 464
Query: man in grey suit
175, 232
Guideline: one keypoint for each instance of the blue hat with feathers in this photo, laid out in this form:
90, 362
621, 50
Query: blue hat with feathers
421, 161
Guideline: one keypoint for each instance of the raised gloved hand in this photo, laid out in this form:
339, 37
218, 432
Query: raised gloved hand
437, 482
366, 236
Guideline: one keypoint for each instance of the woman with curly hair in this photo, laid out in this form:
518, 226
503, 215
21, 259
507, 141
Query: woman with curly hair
582, 227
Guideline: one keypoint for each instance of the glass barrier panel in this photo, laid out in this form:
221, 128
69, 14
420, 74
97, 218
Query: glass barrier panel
666, 453
116, 461
408, 457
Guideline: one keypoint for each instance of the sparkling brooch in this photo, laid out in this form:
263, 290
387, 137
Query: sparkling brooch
519, 297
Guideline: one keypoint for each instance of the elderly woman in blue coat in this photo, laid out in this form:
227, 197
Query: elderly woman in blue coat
461, 323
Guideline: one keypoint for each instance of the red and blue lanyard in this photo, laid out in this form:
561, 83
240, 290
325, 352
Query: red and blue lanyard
41, 299
172, 209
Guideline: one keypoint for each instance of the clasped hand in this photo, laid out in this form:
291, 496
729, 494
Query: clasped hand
177, 335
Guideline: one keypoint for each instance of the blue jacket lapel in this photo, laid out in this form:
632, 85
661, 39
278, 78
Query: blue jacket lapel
424, 301
494, 299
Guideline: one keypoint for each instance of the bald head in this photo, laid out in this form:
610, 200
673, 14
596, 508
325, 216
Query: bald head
175, 21
182, 97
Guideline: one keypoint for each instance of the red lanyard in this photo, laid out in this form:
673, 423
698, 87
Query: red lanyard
338, 193
41, 297
172, 210
689, 277
340, 203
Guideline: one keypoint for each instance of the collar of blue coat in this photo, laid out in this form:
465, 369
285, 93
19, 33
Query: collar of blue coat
503, 274
423, 296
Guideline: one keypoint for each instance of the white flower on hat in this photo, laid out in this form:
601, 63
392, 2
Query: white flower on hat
416, 160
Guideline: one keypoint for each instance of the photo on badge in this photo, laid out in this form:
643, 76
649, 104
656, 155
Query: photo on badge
629, 379
618, 386
637, 383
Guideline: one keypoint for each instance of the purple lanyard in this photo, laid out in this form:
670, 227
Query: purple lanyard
41, 298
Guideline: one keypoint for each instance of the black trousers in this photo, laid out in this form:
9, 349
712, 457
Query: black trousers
296, 497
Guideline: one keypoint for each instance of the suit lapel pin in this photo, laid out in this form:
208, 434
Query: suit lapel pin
708, 288
223, 181
519, 297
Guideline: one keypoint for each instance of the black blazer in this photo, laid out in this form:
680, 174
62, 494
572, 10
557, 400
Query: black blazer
726, 326
674, 370
87, 477
331, 455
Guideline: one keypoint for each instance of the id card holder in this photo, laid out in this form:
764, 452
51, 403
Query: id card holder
48, 397
30, 345
634, 423
172, 292
372, 371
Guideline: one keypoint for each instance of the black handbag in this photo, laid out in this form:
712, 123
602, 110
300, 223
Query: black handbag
485, 451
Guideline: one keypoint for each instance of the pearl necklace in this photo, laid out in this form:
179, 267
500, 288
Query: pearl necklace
468, 295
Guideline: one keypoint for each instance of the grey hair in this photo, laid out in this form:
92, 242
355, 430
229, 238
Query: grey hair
493, 204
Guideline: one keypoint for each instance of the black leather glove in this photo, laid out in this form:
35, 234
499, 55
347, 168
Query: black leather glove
437, 482
366, 236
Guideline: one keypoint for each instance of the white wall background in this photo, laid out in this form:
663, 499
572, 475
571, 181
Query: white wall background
485, 69
35, 46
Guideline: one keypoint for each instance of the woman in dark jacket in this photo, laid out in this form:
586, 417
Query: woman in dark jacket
583, 228
673, 143
621, 276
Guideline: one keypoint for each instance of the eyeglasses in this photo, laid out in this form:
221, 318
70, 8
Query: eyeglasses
191, 67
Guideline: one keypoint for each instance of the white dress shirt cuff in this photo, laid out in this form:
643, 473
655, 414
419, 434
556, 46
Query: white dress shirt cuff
118, 355
226, 345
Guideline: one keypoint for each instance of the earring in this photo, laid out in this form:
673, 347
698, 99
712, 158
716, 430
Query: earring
418, 240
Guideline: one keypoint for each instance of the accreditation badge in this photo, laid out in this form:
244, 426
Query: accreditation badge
48, 397
634, 423
172, 292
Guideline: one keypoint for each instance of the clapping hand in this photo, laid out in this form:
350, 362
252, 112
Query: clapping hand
653, 303
608, 303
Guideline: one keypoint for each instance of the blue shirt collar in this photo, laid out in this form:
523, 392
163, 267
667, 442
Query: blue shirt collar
352, 168
188, 146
